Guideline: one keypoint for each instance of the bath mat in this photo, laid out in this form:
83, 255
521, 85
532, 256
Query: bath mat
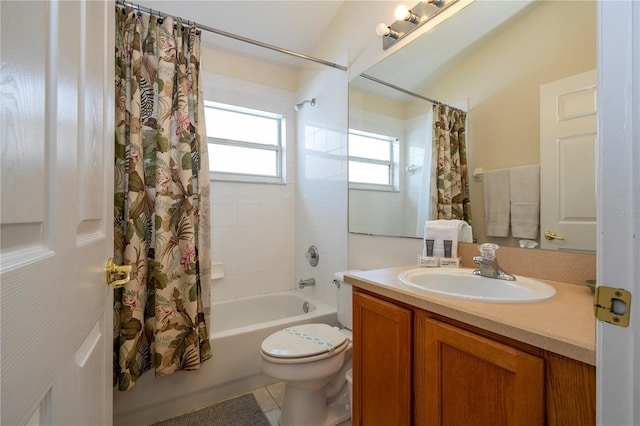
239, 411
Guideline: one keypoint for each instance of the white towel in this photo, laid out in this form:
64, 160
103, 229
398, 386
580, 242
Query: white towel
525, 201
496, 202
440, 230
465, 232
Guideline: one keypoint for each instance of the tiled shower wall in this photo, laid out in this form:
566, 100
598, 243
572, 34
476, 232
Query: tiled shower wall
253, 225
261, 232
321, 198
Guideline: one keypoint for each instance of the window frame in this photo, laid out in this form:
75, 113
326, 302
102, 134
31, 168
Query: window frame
279, 149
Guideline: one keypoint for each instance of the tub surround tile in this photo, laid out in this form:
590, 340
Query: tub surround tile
249, 193
245, 238
321, 188
249, 216
225, 288
224, 215
253, 235
249, 283
224, 193
249, 260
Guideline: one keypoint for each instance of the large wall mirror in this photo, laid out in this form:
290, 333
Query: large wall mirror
491, 60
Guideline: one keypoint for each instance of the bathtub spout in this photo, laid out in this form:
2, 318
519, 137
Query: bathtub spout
308, 282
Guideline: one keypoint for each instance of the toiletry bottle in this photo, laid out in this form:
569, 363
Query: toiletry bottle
447, 261
427, 260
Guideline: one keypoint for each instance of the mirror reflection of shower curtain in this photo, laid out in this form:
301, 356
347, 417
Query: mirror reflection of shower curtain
428, 189
452, 180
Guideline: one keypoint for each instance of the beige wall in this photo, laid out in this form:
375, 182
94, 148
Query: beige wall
502, 78
249, 69
375, 104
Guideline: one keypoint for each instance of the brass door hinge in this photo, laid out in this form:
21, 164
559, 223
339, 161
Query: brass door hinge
612, 305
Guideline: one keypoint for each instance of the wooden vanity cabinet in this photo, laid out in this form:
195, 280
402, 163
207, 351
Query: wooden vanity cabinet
382, 356
412, 367
462, 378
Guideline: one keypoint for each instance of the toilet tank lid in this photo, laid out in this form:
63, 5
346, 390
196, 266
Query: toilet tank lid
340, 275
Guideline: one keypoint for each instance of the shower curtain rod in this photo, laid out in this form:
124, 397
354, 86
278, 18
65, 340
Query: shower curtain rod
235, 36
408, 92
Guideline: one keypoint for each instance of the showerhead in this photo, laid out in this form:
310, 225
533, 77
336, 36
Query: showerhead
312, 101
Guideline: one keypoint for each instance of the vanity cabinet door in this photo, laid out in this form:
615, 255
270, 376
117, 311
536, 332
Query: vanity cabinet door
465, 379
382, 335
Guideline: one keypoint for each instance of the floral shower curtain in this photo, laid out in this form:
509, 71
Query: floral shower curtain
453, 200
161, 198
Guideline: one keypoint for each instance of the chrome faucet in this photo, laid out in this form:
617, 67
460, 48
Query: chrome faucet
489, 264
307, 282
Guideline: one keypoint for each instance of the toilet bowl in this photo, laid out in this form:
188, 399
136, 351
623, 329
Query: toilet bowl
312, 360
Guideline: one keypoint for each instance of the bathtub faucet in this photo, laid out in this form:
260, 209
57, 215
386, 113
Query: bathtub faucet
307, 282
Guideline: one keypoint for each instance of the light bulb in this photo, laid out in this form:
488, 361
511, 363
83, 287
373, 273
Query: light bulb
382, 29
401, 12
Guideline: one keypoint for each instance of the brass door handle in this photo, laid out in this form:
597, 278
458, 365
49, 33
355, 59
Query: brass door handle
113, 271
551, 235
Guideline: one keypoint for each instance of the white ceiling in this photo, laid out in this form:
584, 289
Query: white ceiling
298, 24
293, 25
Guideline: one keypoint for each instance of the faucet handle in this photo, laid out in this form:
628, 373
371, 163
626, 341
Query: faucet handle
488, 250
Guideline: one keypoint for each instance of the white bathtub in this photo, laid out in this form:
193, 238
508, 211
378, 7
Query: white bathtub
238, 328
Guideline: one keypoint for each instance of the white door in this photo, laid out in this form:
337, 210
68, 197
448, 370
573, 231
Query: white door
568, 132
618, 352
56, 115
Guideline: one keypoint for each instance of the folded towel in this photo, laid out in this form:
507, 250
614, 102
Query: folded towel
440, 230
496, 202
465, 232
525, 201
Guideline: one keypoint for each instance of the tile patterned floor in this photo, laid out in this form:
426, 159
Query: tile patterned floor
270, 400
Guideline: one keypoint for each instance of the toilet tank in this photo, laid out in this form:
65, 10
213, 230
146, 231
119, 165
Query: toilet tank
344, 292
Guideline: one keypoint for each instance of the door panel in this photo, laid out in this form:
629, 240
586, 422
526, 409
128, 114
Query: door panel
56, 212
567, 162
618, 352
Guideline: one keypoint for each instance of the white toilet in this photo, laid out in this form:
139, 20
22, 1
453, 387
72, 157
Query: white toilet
312, 360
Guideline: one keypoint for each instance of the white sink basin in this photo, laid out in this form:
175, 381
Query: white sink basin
462, 284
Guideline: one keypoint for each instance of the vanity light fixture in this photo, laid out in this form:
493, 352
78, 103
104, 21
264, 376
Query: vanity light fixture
383, 31
410, 19
402, 13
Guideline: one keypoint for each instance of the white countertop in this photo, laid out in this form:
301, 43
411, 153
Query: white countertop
564, 324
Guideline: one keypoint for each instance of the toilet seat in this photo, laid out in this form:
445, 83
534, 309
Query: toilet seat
304, 343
